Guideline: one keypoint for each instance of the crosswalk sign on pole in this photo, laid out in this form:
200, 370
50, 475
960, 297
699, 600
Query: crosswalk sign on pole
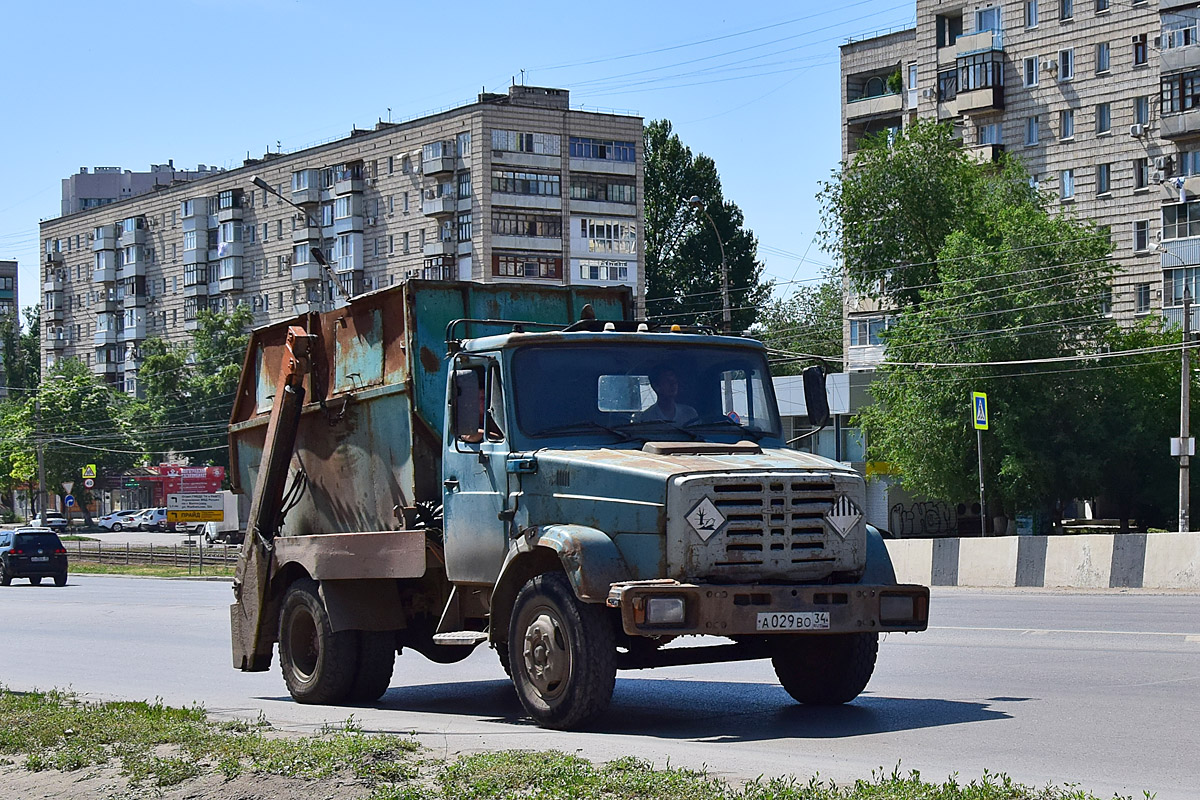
89, 471
979, 402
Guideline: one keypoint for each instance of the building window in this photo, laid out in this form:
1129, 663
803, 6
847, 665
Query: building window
391, 164
948, 85
463, 143
1066, 64
301, 254
912, 75
1103, 57
343, 208
1181, 220
1066, 9
1141, 173
526, 224
1141, 110
1179, 34
1180, 92
865, 331
1068, 184
1031, 13
603, 188
464, 185
1031, 130
1101, 5
1103, 178
1178, 281
1066, 124
987, 19
1141, 298
582, 147
609, 235
981, 71
603, 270
1103, 118
988, 134
548, 144
520, 266
464, 227
529, 183
1139, 49
1189, 162
1031, 71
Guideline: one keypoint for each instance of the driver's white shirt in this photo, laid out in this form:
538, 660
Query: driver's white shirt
683, 414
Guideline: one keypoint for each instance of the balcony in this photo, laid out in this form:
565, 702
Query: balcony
135, 331
195, 256
1180, 49
191, 324
1183, 125
56, 341
53, 314
105, 304
104, 275
439, 205
352, 224
232, 284
985, 153
304, 196
195, 290
135, 236
106, 239
982, 42
440, 248
347, 185
134, 301
544, 243
104, 367
230, 214
101, 338
54, 257
434, 166
874, 106
132, 269
307, 272
53, 285
306, 234
978, 100
227, 249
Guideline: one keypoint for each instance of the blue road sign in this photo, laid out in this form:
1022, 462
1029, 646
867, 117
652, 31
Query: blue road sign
979, 402
69, 500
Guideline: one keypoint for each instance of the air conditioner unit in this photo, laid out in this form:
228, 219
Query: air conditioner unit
1163, 163
928, 93
368, 283
1156, 176
1049, 66
370, 181
1137, 130
1158, 42
371, 220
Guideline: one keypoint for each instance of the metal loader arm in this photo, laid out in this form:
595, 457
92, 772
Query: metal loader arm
251, 583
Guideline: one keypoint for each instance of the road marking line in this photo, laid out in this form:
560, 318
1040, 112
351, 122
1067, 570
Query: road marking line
1189, 637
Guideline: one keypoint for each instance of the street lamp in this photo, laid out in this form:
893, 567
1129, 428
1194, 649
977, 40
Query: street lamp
310, 222
1184, 446
726, 325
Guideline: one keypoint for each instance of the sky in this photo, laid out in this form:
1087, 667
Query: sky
130, 84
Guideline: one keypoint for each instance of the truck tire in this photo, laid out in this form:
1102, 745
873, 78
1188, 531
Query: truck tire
826, 670
505, 661
563, 653
376, 659
318, 665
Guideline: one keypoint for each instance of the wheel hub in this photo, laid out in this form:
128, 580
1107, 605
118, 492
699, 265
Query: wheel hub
547, 660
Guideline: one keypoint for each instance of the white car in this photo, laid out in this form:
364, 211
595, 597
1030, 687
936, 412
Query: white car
118, 521
152, 519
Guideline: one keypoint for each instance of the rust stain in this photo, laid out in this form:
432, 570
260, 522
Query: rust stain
429, 360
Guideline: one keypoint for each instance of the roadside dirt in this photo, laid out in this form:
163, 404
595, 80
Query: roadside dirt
107, 784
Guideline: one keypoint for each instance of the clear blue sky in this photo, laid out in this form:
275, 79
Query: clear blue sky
754, 86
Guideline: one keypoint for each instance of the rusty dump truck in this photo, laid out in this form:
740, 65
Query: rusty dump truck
440, 464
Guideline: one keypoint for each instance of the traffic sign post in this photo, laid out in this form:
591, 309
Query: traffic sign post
69, 500
89, 471
88, 483
979, 408
195, 508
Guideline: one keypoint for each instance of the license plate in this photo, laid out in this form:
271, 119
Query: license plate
794, 621
40, 558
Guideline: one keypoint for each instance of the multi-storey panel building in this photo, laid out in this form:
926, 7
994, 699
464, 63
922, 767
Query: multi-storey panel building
513, 188
103, 185
1099, 99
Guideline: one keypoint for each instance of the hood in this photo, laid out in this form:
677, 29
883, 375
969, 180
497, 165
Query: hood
639, 464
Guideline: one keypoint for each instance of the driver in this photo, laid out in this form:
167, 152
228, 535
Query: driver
665, 384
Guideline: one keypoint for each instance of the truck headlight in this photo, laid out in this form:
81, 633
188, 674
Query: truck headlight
665, 611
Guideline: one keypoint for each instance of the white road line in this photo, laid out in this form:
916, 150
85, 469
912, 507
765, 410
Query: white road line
1187, 637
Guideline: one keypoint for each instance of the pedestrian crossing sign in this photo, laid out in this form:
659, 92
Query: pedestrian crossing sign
89, 471
979, 402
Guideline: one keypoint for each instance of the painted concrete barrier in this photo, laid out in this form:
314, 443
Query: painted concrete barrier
1085, 561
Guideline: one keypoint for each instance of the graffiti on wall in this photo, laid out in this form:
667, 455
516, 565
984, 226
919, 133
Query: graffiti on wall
923, 519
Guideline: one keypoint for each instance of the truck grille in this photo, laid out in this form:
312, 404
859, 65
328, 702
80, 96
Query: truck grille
775, 523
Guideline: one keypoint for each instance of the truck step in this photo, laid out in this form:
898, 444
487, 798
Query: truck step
460, 638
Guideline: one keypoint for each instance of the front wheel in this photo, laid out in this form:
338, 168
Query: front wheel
318, 665
562, 653
826, 670
116, 527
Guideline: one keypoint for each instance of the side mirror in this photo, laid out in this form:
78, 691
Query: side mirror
466, 411
815, 398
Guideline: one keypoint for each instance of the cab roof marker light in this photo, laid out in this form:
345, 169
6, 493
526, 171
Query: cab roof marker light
675, 328
609, 327
643, 328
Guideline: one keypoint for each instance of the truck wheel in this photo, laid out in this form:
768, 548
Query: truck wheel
376, 658
505, 661
826, 670
563, 653
318, 665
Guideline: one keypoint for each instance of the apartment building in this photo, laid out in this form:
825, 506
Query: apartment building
515, 187
103, 185
10, 300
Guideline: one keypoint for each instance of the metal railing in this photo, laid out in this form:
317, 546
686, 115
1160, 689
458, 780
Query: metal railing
193, 557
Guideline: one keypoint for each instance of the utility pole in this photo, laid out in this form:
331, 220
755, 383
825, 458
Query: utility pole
41, 503
726, 320
1185, 500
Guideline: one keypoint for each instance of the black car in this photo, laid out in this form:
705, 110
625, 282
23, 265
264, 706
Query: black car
33, 553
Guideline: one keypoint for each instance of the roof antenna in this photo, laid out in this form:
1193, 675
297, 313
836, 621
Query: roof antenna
587, 312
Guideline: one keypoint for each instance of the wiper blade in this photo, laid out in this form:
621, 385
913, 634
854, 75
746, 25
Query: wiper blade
725, 422
661, 423
587, 425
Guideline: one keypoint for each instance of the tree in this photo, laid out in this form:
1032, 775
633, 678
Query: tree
683, 254
808, 323
20, 350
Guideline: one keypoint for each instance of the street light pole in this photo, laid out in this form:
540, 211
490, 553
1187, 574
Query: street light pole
726, 324
1185, 489
41, 500
316, 252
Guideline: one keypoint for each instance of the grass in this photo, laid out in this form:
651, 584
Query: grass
156, 745
82, 566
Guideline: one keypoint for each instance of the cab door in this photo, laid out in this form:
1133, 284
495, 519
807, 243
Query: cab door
475, 483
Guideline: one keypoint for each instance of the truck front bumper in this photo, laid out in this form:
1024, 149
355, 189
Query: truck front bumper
670, 608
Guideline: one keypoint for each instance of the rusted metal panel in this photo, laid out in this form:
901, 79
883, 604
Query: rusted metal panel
589, 558
732, 610
344, 556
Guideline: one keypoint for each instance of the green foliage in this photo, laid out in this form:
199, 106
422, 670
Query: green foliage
895, 83
683, 254
20, 349
808, 323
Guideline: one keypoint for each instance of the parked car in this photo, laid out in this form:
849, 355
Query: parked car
54, 520
152, 519
118, 520
33, 553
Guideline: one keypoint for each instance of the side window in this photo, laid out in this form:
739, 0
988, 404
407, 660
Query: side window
494, 424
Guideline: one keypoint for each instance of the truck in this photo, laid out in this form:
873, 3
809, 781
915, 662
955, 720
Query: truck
440, 464
230, 529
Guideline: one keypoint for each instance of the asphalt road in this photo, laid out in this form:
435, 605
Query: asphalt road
1095, 689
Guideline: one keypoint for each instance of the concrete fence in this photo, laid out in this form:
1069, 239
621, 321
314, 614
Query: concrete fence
1092, 561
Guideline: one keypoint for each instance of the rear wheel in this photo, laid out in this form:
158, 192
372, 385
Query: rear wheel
60, 579
562, 653
318, 665
376, 659
826, 670
36, 581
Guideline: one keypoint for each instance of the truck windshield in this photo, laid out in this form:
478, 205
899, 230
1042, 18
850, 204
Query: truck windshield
644, 391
